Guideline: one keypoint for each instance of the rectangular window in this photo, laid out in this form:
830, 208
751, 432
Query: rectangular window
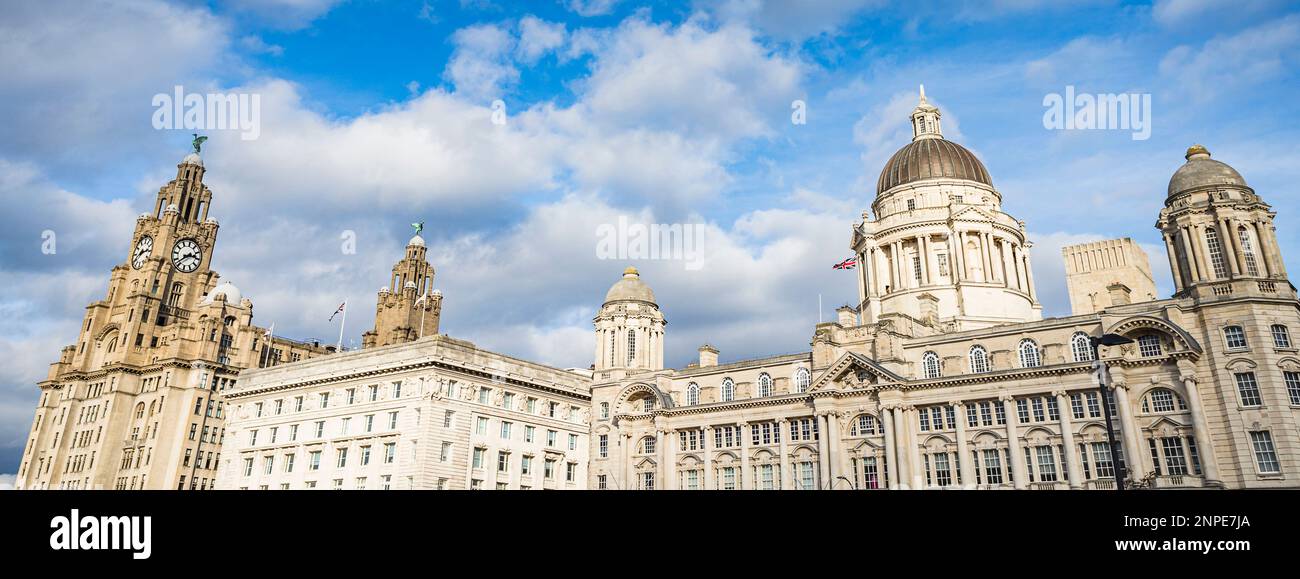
1102, 459
573, 442
766, 477
447, 418
342, 458
1094, 405
648, 481
1155, 456
942, 260
374, 392
481, 426
729, 478
365, 455
1234, 337
1053, 410
1076, 406
571, 471
1194, 454
602, 483
1265, 455
445, 455
508, 401
297, 404
529, 432
548, 469
870, 473
806, 481
1022, 410
603, 446
986, 413
925, 420
1248, 389
248, 466
1046, 464
390, 452
478, 458
324, 399
1175, 463
1038, 409
972, 416
352, 395
370, 422
503, 461
320, 428
992, 466
314, 462
550, 438
505, 429
484, 394
942, 473
526, 466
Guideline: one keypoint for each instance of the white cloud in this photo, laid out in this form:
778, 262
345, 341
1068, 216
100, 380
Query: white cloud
481, 67
790, 20
592, 7
538, 37
286, 14
7, 481
1235, 62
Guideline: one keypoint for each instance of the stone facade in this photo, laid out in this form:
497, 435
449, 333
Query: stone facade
137, 402
1107, 273
429, 412
945, 375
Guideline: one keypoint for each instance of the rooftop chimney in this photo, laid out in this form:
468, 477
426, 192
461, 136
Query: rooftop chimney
708, 356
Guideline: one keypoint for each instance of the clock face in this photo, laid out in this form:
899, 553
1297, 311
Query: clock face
143, 249
186, 255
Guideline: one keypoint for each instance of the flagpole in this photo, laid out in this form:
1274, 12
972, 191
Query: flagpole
342, 323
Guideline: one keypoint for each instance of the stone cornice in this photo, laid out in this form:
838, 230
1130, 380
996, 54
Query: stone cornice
427, 364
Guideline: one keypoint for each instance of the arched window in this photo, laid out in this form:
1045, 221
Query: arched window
648, 445
692, 394
604, 410
728, 390
1029, 355
1248, 251
112, 344
1081, 348
631, 347
802, 380
1281, 336
1149, 346
979, 360
930, 365
175, 298
1216, 253
139, 410
863, 425
1234, 337
1162, 400
764, 385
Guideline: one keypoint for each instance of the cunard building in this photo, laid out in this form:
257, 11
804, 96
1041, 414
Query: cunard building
946, 375
136, 402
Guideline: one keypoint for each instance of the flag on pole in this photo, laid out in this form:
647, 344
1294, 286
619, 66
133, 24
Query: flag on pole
269, 331
849, 263
338, 311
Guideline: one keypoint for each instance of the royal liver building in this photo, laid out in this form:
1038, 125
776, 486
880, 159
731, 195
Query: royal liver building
946, 375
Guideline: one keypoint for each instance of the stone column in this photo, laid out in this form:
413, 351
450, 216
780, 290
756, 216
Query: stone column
1019, 475
1237, 259
1205, 446
670, 464
1194, 271
661, 458
1072, 466
629, 481
833, 449
1207, 262
1128, 427
784, 432
958, 260
903, 470
1029, 276
891, 447
914, 451
986, 252
963, 450
863, 268
1173, 264
1016, 257
708, 458
823, 450
1008, 271
746, 479
923, 255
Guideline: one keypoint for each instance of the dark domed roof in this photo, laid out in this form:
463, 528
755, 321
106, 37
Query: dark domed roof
1200, 170
931, 158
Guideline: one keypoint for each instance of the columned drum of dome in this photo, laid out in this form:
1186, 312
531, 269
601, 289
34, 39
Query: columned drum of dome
937, 249
629, 328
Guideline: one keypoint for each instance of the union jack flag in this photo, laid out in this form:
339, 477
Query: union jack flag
338, 311
849, 263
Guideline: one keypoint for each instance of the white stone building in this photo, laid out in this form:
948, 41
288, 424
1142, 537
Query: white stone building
429, 412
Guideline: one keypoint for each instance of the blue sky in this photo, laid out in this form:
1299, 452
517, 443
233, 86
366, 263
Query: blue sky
375, 114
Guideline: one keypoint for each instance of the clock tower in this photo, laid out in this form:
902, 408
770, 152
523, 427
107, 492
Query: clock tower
136, 402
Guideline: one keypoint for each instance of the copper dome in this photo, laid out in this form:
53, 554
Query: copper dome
931, 158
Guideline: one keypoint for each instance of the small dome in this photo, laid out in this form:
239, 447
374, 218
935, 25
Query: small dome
410, 284
171, 208
192, 159
630, 288
1201, 171
226, 289
383, 290
931, 158
437, 293
416, 241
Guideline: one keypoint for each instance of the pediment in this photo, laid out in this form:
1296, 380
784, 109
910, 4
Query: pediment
854, 371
